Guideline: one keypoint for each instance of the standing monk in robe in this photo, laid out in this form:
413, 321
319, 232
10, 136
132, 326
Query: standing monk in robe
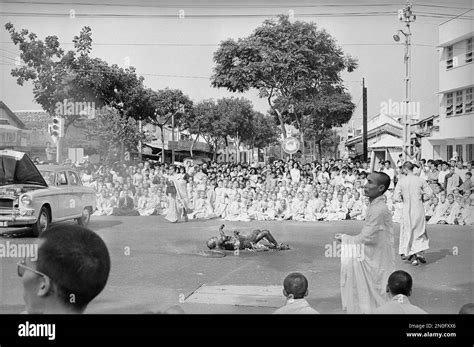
413, 236
364, 275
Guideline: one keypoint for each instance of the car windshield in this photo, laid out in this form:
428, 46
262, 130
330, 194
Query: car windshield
48, 177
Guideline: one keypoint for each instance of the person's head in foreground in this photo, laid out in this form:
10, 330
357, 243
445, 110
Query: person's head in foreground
467, 309
295, 286
399, 282
377, 184
71, 269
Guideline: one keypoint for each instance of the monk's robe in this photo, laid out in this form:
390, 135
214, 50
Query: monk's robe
399, 305
413, 235
367, 260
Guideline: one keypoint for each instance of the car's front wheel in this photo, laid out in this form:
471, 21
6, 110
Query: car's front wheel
85, 217
42, 224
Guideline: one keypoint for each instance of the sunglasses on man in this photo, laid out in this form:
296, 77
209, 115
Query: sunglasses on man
21, 267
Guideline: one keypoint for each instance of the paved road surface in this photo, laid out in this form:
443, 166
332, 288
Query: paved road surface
154, 263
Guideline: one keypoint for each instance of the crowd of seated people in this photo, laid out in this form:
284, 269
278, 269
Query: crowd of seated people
320, 191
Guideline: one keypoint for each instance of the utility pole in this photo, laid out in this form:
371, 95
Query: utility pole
406, 15
140, 139
364, 120
172, 139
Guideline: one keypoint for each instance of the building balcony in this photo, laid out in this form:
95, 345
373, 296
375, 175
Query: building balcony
456, 126
458, 77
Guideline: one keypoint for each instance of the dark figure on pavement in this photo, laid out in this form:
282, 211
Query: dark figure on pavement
241, 242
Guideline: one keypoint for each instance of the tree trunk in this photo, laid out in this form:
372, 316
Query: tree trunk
237, 145
215, 150
162, 144
303, 152
319, 150
192, 145
282, 123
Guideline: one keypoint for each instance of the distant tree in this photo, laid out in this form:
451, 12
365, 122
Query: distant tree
263, 132
327, 112
281, 59
159, 107
205, 122
111, 128
236, 116
61, 77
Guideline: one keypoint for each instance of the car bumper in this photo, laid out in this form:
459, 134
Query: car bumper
16, 220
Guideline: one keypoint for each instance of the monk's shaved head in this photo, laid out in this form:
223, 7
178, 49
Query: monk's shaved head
296, 284
382, 179
400, 282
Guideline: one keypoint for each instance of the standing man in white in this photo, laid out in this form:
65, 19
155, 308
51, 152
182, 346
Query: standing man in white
413, 236
364, 275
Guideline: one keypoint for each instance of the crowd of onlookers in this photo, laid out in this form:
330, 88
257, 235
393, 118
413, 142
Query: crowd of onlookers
330, 190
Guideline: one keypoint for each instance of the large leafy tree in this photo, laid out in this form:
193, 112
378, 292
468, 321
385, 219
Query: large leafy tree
282, 60
60, 77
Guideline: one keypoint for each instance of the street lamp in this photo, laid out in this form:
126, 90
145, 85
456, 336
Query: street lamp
406, 15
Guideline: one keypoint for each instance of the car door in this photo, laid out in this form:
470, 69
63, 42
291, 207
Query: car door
77, 199
65, 196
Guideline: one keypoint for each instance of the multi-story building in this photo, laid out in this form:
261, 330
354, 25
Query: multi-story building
456, 84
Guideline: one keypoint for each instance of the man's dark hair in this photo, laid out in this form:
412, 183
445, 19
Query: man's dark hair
296, 284
408, 165
400, 282
469, 174
77, 261
383, 179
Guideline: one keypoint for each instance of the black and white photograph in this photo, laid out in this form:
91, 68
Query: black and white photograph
249, 162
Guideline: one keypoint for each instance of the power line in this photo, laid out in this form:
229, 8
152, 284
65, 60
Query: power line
196, 16
7, 51
219, 6
7, 57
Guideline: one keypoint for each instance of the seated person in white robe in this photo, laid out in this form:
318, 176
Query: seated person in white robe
430, 210
237, 210
202, 208
440, 209
146, 205
337, 209
220, 204
456, 211
298, 207
312, 204
295, 289
282, 211
104, 204
271, 207
358, 208
467, 213
399, 288
322, 211
260, 208
445, 218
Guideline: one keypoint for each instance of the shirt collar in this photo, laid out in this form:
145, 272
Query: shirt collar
402, 299
378, 198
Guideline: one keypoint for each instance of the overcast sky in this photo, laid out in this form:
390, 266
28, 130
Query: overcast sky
177, 53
